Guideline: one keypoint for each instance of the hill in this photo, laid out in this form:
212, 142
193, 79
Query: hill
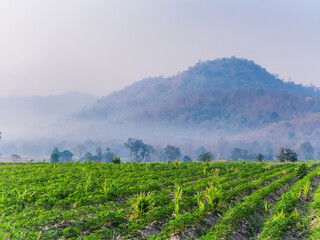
221, 94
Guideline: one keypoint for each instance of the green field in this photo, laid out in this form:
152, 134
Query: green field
160, 201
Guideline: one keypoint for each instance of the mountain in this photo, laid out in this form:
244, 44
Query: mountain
221, 94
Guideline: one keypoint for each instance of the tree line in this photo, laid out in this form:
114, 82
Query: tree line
142, 152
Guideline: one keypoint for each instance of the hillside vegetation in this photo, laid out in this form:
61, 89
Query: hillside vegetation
224, 93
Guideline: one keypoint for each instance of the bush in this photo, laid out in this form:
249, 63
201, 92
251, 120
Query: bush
116, 161
70, 232
302, 170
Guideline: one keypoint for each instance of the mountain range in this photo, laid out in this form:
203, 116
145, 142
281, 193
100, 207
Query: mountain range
219, 104
228, 93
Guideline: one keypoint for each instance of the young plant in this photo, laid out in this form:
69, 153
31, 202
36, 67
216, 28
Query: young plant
279, 217
176, 163
142, 204
213, 195
295, 215
177, 197
266, 207
199, 200
307, 190
205, 171
104, 187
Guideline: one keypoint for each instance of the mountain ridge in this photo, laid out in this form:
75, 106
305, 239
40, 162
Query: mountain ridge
222, 91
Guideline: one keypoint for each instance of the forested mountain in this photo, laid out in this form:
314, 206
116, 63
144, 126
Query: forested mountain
224, 93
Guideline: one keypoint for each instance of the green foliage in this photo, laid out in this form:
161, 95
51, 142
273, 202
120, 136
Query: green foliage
302, 170
142, 204
177, 194
214, 196
200, 202
105, 201
307, 189
116, 161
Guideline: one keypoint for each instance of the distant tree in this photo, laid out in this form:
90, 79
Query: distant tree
206, 156
116, 161
65, 156
15, 157
287, 155
172, 152
108, 156
238, 153
200, 150
139, 151
99, 154
306, 151
259, 157
88, 157
55, 155
186, 159
80, 149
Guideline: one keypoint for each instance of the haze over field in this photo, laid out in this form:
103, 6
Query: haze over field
70, 73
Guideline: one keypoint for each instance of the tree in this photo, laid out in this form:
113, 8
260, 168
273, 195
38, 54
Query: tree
65, 156
80, 149
116, 161
200, 150
88, 157
54, 157
306, 150
206, 156
238, 153
15, 157
108, 156
287, 155
259, 157
172, 152
139, 151
99, 155
186, 159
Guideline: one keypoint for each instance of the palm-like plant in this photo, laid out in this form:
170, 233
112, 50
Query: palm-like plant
307, 190
199, 200
177, 197
142, 204
213, 195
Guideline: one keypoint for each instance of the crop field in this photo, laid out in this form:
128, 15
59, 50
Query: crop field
160, 201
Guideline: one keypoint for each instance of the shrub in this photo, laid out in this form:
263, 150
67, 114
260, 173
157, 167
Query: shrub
142, 204
116, 161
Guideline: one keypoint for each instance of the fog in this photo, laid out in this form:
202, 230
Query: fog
35, 131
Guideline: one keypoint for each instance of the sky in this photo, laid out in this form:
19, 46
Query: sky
99, 46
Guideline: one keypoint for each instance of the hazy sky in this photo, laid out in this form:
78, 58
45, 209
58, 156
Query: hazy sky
98, 46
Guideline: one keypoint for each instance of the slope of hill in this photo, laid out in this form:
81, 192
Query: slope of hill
223, 93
